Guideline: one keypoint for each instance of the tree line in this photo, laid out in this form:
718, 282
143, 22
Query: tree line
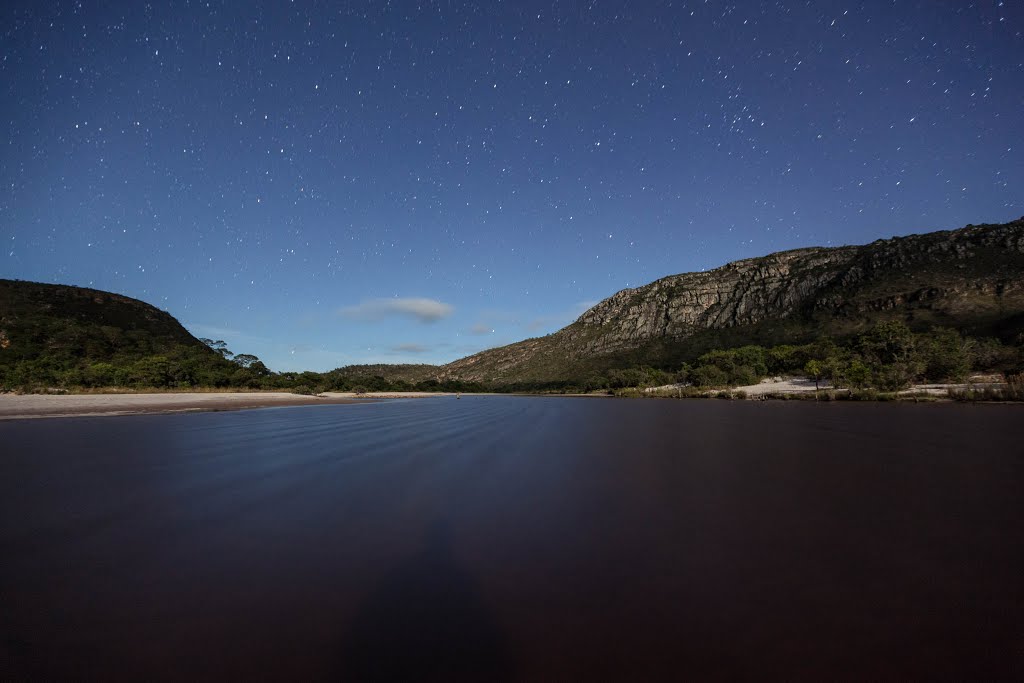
888, 357
140, 363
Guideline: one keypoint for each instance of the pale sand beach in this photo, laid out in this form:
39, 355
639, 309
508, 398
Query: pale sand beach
778, 385
386, 394
788, 385
804, 385
25, 406
800, 385
14, 406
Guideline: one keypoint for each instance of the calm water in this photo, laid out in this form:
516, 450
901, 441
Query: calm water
509, 538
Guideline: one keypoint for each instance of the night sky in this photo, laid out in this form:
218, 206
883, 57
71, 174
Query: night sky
328, 183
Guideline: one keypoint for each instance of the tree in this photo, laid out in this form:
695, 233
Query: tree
628, 377
101, 375
834, 370
245, 359
989, 354
724, 360
151, 371
814, 370
259, 369
891, 351
948, 355
709, 376
220, 346
889, 342
782, 359
683, 375
753, 357
858, 375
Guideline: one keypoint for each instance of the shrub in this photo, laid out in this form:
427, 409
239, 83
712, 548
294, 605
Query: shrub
709, 376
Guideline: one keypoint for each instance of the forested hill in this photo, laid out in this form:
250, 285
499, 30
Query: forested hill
55, 337
63, 335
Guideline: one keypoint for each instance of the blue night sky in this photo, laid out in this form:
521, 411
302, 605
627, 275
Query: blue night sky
321, 184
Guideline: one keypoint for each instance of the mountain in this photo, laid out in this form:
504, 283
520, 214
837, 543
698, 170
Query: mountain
86, 322
60, 334
971, 279
386, 374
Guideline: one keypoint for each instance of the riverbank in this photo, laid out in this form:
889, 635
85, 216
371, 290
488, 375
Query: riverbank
980, 387
26, 406
387, 394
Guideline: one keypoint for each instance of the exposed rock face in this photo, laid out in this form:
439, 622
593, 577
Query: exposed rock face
959, 278
740, 293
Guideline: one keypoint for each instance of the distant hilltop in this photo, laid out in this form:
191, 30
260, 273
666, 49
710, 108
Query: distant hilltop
61, 335
64, 320
970, 280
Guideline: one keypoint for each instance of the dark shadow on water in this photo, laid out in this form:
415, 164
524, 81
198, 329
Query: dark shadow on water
425, 622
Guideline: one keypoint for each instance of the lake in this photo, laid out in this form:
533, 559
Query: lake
516, 538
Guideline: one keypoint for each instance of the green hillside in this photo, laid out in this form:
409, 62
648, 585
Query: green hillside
60, 335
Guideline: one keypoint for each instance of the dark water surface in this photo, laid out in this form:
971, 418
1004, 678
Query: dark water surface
510, 538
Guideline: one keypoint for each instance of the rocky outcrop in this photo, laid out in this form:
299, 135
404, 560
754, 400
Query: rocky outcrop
961, 278
740, 293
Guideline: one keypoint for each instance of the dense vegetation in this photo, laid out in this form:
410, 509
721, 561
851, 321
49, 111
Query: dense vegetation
63, 337
60, 338
889, 356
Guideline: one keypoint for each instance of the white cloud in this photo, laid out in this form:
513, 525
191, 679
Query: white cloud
481, 328
410, 348
424, 310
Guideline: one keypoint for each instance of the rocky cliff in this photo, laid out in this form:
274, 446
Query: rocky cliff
971, 279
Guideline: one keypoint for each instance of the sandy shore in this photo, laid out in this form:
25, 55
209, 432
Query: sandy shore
15, 407
31, 406
790, 385
803, 385
385, 394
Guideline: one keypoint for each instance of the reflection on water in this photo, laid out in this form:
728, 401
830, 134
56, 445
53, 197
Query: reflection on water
425, 621
509, 538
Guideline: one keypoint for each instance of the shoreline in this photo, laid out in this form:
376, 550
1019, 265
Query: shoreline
36, 406
803, 387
